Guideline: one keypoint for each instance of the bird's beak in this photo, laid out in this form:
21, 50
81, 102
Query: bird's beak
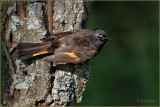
107, 38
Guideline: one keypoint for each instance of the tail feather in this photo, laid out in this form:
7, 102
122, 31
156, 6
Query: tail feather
31, 46
28, 50
24, 56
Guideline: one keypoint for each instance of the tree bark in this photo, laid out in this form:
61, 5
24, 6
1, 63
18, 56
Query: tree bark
34, 82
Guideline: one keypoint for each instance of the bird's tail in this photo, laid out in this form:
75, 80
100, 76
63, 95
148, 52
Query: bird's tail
28, 50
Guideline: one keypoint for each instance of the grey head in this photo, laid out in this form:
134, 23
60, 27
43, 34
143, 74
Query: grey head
98, 38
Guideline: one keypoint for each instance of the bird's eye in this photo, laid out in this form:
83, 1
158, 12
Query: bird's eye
100, 37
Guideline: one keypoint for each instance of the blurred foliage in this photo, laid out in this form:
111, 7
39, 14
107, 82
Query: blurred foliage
127, 68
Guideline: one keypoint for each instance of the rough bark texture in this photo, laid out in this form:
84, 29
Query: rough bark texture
35, 82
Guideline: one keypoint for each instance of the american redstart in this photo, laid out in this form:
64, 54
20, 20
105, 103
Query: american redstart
73, 46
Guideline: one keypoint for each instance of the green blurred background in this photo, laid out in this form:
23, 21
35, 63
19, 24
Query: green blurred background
127, 69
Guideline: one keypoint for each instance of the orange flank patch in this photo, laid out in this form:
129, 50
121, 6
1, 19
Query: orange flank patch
42, 42
40, 53
66, 30
72, 55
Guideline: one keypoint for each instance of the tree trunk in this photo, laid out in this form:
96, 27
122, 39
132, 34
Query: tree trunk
35, 82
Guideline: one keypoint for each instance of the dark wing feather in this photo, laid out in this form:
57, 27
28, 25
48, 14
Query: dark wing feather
63, 57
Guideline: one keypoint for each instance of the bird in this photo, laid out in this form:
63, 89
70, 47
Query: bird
73, 46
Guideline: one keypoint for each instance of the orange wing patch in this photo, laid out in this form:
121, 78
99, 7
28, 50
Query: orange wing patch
40, 53
72, 55
42, 42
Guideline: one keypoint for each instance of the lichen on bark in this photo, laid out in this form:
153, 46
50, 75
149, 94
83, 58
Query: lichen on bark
34, 81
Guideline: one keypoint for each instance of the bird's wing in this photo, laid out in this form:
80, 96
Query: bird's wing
63, 57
